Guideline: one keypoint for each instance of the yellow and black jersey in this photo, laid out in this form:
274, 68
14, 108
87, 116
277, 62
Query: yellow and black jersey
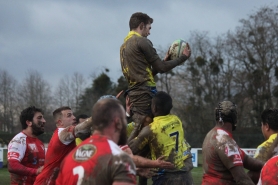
165, 137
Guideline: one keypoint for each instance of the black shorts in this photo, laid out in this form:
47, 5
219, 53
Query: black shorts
141, 98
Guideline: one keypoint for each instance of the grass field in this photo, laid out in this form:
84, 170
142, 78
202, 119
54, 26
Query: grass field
196, 173
4, 176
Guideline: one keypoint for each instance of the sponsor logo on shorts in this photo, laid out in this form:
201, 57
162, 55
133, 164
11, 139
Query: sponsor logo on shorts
84, 152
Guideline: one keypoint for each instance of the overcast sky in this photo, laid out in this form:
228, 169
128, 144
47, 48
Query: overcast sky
58, 38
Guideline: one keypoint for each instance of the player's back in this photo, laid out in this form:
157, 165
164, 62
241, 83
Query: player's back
263, 149
168, 140
220, 153
137, 54
96, 160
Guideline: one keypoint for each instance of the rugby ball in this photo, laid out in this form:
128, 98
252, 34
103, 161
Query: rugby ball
177, 48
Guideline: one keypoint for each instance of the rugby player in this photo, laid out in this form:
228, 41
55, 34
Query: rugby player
223, 160
165, 137
61, 143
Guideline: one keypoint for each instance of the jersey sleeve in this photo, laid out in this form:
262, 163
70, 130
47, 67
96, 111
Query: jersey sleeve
230, 154
17, 148
138, 143
66, 135
269, 172
122, 169
17, 168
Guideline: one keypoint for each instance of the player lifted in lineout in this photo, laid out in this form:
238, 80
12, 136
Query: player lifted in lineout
140, 62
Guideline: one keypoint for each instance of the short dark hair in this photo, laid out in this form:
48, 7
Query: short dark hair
82, 116
137, 18
270, 116
58, 112
163, 102
28, 115
104, 112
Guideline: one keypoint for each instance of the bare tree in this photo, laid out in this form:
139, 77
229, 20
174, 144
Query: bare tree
254, 48
7, 102
78, 86
34, 90
69, 91
63, 94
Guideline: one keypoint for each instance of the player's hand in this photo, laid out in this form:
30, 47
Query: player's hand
167, 56
39, 170
164, 164
146, 172
119, 94
128, 105
187, 51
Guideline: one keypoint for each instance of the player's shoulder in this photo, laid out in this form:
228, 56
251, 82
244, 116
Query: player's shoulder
218, 136
173, 116
222, 133
143, 41
20, 135
272, 162
19, 138
115, 149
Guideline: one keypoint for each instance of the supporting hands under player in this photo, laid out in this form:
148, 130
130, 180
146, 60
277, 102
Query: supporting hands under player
146, 172
128, 105
119, 94
148, 163
161, 163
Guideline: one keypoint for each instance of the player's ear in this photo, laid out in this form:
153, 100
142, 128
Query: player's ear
141, 25
117, 123
29, 123
59, 122
267, 127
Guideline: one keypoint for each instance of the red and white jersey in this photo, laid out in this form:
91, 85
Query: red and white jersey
220, 153
56, 152
97, 161
269, 172
29, 152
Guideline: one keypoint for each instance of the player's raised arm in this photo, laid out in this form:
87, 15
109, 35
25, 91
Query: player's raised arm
161, 66
72, 132
139, 142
